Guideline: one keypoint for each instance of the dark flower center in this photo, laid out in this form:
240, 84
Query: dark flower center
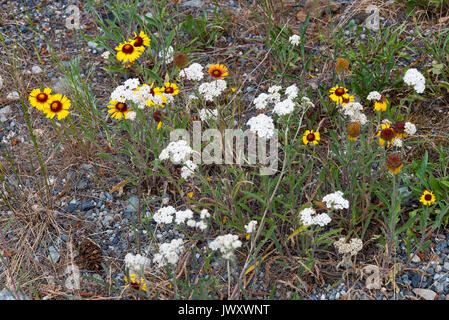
135, 285
138, 41
387, 134
310, 137
394, 161
340, 92
122, 107
157, 116
128, 49
42, 97
169, 90
56, 106
345, 100
428, 197
216, 73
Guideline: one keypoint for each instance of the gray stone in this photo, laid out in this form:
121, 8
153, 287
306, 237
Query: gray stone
193, 3
88, 205
54, 254
72, 206
426, 294
6, 294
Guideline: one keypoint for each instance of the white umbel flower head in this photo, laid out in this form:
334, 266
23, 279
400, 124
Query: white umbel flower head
136, 263
177, 152
415, 79
284, 107
262, 125
206, 114
212, 89
309, 217
188, 169
292, 91
194, 72
374, 95
169, 253
351, 248
336, 201
226, 245
294, 39
164, 215
168, 55
409, 128
261, 101
251, 226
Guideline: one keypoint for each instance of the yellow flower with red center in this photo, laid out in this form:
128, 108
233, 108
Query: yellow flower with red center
118, 109
381, 105
157, 116
337, 94
399, 129
39, 99
135, 283
140, 40
156, 91
218, 71
346, 99
311, 137
386, 135
128, 53
427, 198
170, 88
57, 105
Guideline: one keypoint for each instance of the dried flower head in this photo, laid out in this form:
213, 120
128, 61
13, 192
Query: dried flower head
181, 60
341, 65
394, 163
353, 129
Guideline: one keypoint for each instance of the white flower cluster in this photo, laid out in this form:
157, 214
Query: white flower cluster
309, 217
284, 107
294, 39
136, 263
397, 143
351, 248
169, 253
193, 72
129, 91
206, 114
168, 55
166, 215
188, 169
374, 95
176, 151
226, 245
336, 201
262, 125
354, 111
212, 89
409, 128
251, 226
1, 82
415, 79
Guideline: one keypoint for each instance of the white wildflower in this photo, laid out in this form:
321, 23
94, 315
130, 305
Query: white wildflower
206, 114
351, 248
132, 83
183, 215
262, 125
169, 253
212, 89
251, 226
397, 143
415, 79
309, 217
284, 107
294, 39
274, 89
409, 128
131, 115
305, 103
167, 55
292, 91
105, 55
374, 95
193, 72
261, 101
136, 263
204, 214
226, 245
176, 151
164, 215
188, 169
336, 201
